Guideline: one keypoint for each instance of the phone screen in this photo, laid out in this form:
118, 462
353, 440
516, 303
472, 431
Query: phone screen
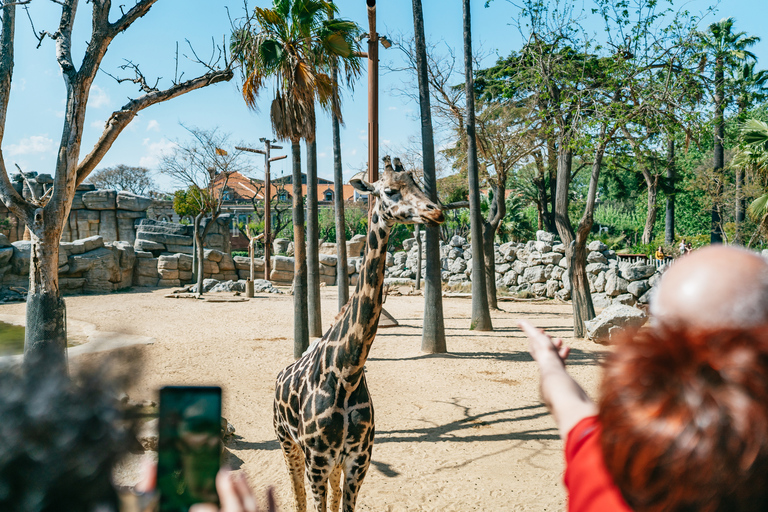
189, 446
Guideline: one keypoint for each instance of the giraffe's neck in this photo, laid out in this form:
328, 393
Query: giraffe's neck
354, 332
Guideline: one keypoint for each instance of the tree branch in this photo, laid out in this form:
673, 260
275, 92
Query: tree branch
137, 11
121, 118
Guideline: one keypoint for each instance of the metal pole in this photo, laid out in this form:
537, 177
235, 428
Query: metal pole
267, 213
373, 96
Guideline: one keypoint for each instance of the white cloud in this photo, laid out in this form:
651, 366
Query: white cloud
392, 108
153, 125
59, 114
98, 97
386, 142
155, 151
353, 152
22, 84
363, 135
36, 144
97, 124
322, 155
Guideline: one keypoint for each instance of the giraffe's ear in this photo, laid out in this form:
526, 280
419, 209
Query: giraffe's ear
362, 186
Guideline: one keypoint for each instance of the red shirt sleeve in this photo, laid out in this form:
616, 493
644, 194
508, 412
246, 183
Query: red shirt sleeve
590, 486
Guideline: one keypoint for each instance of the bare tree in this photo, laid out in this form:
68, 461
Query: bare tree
123, 177
203, 166
46, 341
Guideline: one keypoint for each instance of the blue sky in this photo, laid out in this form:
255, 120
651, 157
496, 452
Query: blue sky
33, 129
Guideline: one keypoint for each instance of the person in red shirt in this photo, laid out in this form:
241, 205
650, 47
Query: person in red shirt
682, 421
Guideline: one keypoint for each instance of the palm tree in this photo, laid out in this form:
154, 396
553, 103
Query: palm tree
753, 154
352, 71
294, 43
433, 333
726, 49
750, 86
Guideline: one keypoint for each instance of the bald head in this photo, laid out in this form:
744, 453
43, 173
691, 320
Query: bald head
714, 287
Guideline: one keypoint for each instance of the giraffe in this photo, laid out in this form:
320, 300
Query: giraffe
323, 413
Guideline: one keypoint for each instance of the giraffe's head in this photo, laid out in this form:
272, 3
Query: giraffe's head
399, 196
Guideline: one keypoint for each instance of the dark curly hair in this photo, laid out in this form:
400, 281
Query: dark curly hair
685, 420
60, 437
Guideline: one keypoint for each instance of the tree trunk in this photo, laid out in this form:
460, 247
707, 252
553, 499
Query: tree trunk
552, 166
342, 277
716, 234
199, 252
575, 247
740, 205
581, 299
45, 338
481, 315
419, 251
651, 183
300, 315
489, 234
497, 212
313, 261
433, 333
669, 224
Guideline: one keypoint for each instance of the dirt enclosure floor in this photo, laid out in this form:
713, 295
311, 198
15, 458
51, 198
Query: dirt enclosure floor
454, 432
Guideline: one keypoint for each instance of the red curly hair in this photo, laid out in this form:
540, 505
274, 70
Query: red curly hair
685, 420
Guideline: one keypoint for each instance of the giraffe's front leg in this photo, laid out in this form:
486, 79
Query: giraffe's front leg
294, 459
355, 468
319, 470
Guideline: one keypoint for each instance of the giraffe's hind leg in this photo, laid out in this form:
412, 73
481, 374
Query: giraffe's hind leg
335, 482
319, 470
294, 459
354, 473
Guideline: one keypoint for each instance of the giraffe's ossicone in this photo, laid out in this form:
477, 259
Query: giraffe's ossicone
323, 413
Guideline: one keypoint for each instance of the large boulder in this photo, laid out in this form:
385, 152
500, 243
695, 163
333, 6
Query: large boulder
536, 274
615, 285
355, 246
132, 202
638, 288
22, 251
208, 285
637, 272
545, 236
164, 238
229, 286
598, 246
612, 321
158, 226
596, 257
458, 266
100, 200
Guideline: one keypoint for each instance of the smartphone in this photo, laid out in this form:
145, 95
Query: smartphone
189, 446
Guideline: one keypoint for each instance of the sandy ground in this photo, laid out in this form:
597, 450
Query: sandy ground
455, 432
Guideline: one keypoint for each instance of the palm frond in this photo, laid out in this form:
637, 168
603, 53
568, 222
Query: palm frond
758, 208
